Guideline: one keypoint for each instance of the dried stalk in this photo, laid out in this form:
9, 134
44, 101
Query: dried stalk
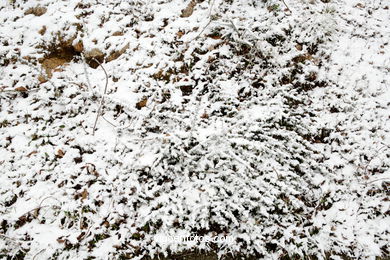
102, 100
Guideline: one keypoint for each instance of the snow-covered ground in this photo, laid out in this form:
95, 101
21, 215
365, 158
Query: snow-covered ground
266, 121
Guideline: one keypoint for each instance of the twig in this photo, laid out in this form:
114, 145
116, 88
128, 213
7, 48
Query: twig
380, 179
124, 127
85, 130
10, 238
102, 100
18, 91
80, 85
86, 72
204, 28
48, 197
109, 122
368, 163
38, 253
16, 241
240, 160
208, 23
284, 2
211, 7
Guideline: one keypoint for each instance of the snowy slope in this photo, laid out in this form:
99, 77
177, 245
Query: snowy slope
266, 121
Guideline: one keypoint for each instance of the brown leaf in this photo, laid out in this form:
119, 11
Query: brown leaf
33, 152
21, 89
42, 31
186, 90
37, 11
58, 69
84, 194
214, 36
79, 46
359, 5
60, 153
179, 34
302, 58
117, 33
298, 47
116, 54
42, 79
141, 103
91, 169
106, 224
81, 236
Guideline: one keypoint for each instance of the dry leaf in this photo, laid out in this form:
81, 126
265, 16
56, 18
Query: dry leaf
117, 33
33, 152
91, 169
116, 54
84, 194
21, 89
60, 153
36, 212
37, 11
81, 236
106, 224
179, 34
187, 12
204, 116
42, 31
79, 46
359, 5
141, 103
42, 79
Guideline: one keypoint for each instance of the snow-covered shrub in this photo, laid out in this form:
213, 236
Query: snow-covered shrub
221, 118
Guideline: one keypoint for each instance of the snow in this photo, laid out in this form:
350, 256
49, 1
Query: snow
266, 125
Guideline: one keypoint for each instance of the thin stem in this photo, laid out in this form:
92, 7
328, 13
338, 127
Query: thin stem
284, 2
102, 100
